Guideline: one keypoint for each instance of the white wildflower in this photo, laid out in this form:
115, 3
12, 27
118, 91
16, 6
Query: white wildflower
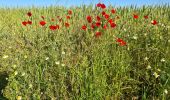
158, 70
148, 67
63, 65
161, 37
63, 53
163, 25
23, 74
156, 75
135, 37
57, 62
25, 56
19, 98
146, 58
145, 34
14, 66
166, 91
163, 60
5, 56
15, 73
152, 21
47, 58
169, 41
128, 48
53, 98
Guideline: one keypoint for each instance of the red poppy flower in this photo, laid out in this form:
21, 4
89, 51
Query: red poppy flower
97, 34
135, 16
69, 12
146, 17
29, 14
24, 23
42, 23
89, 19
121, 42
98, 5
54, 27
110, 21
98, 18
67, 24
84, 27
113, 25
154, 22
68, 17
98, 24
92, 26
106, 16
103, 13
103, 6
42, 17
29, 22
105, 26
113, 11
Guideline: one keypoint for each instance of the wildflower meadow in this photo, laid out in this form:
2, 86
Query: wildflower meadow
91, 52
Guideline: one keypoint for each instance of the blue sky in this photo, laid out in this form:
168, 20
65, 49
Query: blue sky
67, 3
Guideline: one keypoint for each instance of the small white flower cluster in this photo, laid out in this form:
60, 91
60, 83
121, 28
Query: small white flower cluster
58, 63
163, 25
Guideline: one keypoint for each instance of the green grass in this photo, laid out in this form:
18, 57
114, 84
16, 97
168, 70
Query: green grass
91, 68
